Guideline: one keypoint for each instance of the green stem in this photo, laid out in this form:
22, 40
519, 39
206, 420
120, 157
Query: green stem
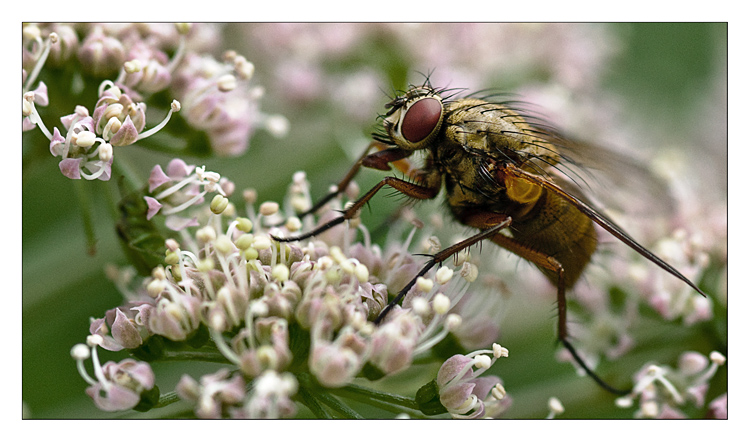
357, 391
339, 407
312, 403
167, 399
313, 394
84, 202
187, 355
124, 167
395, 408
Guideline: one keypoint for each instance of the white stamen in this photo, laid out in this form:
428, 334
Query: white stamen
175, 107
555, 407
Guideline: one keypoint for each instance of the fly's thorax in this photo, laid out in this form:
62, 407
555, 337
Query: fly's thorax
465, 184
475, 183
499, 131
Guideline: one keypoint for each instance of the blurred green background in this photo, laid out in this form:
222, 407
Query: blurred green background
666, 75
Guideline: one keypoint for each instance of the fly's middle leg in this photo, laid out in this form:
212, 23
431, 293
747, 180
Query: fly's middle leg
545, 261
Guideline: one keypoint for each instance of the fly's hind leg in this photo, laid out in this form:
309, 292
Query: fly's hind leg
543, 260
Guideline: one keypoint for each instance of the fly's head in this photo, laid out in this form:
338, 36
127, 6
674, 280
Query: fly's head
413, 120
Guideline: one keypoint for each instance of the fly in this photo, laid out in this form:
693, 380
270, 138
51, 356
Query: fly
500, 171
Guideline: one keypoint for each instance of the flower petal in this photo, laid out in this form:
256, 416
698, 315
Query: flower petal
153, 206
484, 384
126, 135
157, 178
453, 398
116, 398
125, 332
57, 143
177, 168
71, 168
451, 368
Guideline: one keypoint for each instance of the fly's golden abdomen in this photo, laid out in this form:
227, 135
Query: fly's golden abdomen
556, 228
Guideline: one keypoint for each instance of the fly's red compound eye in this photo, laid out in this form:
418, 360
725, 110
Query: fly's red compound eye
421, 119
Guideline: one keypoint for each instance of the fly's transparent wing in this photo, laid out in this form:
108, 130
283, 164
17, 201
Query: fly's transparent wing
619, 185
606, 178
614, 180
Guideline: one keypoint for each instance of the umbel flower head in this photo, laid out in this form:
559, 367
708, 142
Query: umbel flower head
662, 390
125, 66
466, 395
292, 322
117, 386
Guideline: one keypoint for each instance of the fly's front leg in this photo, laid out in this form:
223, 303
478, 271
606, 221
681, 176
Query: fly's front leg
407, 188
342, 185
377, 160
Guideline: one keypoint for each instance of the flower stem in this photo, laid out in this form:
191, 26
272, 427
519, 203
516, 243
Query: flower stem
312, 403
124, 166
339, 407
357, 391
167, 399
84, 202
312, 394
393, 408
188, 355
